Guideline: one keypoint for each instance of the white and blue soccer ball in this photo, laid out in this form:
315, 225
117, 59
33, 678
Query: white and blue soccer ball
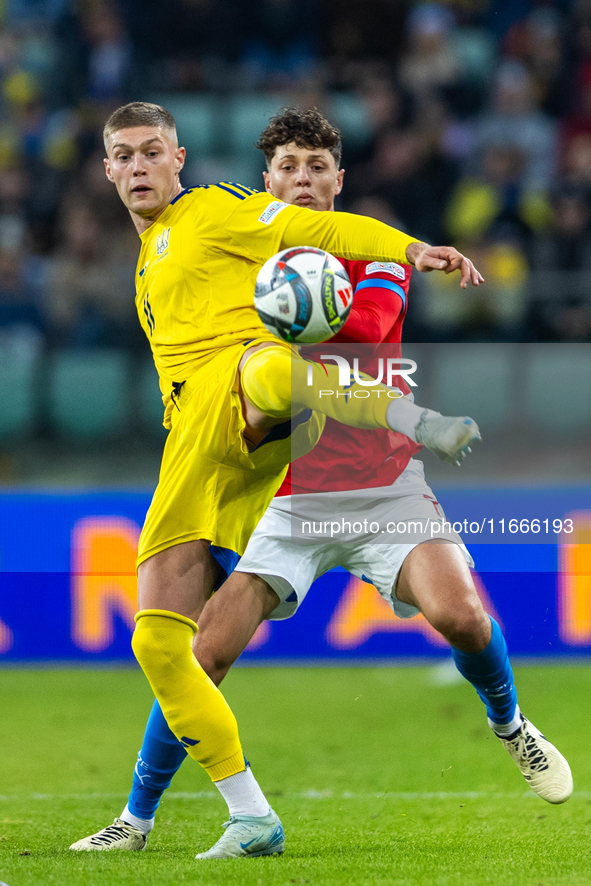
303, 295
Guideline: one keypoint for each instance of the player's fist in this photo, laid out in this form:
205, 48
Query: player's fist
443, 258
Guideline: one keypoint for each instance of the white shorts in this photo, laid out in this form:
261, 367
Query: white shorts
291, 559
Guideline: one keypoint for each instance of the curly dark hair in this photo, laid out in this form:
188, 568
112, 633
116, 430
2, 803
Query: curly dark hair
308, 129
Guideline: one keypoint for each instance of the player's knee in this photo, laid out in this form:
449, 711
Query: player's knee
160, 641
266, 381
466, 626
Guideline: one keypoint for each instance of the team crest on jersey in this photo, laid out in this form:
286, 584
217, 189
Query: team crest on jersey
386, 267
272, 210
162, 241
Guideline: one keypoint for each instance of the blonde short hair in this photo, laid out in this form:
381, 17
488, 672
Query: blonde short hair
138, 114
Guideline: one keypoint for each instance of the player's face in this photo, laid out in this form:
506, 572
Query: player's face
304, 176
144, 163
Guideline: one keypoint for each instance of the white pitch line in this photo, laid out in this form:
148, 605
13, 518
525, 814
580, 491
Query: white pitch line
301, 795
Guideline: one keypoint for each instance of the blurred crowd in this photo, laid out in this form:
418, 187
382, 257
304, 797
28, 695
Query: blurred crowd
473, 127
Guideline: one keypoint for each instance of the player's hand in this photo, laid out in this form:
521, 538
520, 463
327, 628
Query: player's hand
443, 258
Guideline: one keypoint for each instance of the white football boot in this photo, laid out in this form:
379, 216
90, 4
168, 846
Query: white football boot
541, 764
247, 835
448, 437
119, 835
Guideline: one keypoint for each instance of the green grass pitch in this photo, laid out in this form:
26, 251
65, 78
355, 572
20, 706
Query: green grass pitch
381, 776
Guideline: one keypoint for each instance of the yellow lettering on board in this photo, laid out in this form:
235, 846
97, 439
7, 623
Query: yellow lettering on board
362, 612
104, 583
574, 581
6, 638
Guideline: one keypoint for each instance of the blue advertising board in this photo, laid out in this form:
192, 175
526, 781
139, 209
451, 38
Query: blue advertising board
68, 586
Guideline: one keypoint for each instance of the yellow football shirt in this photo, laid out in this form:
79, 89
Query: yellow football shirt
199, 260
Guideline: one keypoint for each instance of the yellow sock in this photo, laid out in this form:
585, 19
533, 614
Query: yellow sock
194, 708
277, 382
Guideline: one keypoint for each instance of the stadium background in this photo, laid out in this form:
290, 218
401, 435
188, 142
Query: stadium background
466, 122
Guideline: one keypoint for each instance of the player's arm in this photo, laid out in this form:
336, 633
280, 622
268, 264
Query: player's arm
258, 226
358, 237
379, 299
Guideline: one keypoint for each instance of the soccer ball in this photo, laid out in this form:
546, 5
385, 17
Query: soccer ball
303, 295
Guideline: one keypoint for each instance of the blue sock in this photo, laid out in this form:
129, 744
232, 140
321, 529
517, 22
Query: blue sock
490, 674
160, 757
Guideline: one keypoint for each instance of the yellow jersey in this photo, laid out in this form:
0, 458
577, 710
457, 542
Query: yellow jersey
199, 260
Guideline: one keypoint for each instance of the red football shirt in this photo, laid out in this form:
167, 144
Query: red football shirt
355, 458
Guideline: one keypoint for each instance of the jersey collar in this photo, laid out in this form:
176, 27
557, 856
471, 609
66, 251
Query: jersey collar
164, 215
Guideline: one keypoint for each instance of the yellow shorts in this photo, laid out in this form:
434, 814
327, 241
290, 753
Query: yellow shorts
210, 485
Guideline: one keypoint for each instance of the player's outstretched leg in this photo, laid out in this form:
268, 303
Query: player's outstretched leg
436, 579
278, 384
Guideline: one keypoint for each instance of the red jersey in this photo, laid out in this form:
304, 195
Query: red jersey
356, 458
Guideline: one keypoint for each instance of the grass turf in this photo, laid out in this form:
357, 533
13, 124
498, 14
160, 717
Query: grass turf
381, 776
